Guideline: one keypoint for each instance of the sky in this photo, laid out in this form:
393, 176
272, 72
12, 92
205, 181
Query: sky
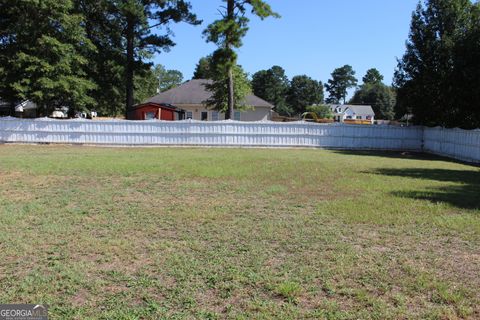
312, 37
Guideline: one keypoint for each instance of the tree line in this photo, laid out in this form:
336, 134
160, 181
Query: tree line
295, 96
95, 53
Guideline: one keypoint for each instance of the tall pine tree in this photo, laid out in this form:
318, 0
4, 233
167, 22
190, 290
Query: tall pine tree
140, 18
343, 78
227, 34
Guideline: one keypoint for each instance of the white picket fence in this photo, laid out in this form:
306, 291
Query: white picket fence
459, 144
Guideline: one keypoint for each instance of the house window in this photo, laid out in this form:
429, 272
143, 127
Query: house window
149, 115
349, 117
189, 114
204, 115
359, 117
236, 116
369, 117
214, 115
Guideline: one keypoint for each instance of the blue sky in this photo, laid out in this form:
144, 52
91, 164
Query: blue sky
313, 37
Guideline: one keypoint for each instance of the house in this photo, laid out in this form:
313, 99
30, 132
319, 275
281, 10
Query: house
152, 110
26, 109
191, 97
353, 113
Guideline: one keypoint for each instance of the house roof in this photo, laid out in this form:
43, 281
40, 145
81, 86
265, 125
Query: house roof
194, 92
361, 110
26, 105
334, 107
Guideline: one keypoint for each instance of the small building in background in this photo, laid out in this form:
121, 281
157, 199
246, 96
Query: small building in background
191, 97
151, 111
355, 114
26, 109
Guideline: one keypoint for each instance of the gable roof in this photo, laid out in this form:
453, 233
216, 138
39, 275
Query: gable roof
361, 110
194, 92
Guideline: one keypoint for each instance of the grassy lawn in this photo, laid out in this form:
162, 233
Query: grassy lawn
121, 233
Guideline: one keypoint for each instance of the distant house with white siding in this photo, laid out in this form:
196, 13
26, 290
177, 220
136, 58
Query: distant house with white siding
344, 112
191, 96
24, 109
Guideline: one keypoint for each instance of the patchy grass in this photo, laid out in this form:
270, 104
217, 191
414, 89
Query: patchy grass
119, 233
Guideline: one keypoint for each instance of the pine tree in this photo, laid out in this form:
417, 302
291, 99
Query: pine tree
272, 86
42, 53
373, 76
219, 100
342, 79
140, 18
203, 70
227, 34
303, 92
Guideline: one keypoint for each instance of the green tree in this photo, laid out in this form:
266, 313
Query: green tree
167, 79
106, 64
227, 34
322, 111
272, 86
375, 93
373, 76
203, 68
146, 84
437, 77
379, 96
42, 54
304, 91
140, 18
343, 78
219, 88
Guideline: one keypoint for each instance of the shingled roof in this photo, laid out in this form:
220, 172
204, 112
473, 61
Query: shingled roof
361, 110
194, 92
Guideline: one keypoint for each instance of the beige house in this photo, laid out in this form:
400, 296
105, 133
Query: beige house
191, 97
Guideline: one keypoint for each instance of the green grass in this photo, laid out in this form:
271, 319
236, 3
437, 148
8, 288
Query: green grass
124, 233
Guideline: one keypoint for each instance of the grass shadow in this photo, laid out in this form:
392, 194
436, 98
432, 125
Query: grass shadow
395, 155
464, 195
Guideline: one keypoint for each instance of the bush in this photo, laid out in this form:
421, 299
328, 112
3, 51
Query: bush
322, 111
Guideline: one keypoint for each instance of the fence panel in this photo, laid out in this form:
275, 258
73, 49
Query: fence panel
454, 143
220, 133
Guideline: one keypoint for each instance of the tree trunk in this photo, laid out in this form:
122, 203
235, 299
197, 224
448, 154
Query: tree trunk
231, 98
130, 65
230, 84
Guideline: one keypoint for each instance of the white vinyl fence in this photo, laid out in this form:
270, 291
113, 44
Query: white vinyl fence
219, 133
455, 143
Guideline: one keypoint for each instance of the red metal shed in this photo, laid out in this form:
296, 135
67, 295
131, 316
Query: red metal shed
150, 110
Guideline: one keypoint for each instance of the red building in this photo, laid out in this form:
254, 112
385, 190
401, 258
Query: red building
150, 110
